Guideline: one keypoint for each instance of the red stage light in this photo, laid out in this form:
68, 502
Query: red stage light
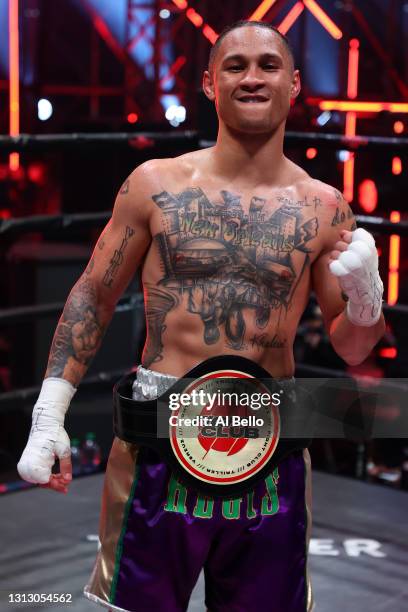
132, 117
393, 262
398, 127
194, 17
197, 20
14, 79
209, 33
351, 118
348, 169
311, 153
181, 4
14, 161
261, 11
174, 68
348, 178
352, 81
323, 18
396, 165
389, 352
368, 107
368, 195
36, 172
291, 17
350, 129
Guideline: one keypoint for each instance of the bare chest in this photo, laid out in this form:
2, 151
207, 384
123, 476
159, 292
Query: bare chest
240, 235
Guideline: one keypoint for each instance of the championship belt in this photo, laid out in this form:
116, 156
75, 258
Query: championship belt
219, 427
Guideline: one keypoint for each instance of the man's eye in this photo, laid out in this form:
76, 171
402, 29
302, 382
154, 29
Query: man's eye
234, 67
270, 67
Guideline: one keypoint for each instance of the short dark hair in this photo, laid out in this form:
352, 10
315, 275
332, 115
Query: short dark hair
242, 24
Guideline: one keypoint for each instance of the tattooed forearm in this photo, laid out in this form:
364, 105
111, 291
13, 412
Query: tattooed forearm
78, 335
117, 258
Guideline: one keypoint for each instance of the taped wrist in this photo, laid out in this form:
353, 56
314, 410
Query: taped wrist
365, 315
53, 402
357, 271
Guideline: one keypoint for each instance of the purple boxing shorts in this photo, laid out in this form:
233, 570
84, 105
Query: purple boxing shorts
156, 535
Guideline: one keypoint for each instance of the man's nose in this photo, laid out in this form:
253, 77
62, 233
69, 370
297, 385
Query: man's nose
253, 79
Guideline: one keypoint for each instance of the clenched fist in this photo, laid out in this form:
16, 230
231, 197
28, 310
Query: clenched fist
355, 263
48, 438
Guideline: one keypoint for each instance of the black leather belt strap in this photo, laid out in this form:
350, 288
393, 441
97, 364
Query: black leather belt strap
136, 422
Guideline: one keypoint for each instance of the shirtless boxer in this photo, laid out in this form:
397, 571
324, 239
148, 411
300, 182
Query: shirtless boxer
230, 240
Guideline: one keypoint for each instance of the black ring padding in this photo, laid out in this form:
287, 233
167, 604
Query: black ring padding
18, 396
395, 308
44, 223
42, 142
22, 314
28, 313
303, 370
381, 226
337, 141
126, 303
107, 378
354, 143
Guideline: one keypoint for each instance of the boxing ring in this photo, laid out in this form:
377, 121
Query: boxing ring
11, 229
359, 547
357, 561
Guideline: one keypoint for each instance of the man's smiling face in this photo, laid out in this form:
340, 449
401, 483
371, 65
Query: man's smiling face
252, 80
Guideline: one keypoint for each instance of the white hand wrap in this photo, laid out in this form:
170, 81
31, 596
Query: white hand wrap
48, 437
357, 271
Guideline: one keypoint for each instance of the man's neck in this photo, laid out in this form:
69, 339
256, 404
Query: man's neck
257, 157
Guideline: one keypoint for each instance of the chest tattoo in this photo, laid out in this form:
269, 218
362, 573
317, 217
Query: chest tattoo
226, 261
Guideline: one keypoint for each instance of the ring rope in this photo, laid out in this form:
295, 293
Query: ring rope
142, 140
44, 223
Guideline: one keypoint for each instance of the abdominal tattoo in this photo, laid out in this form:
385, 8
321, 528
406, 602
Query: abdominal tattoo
225, 263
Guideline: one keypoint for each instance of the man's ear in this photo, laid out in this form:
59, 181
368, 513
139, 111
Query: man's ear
208, 86
296, 85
